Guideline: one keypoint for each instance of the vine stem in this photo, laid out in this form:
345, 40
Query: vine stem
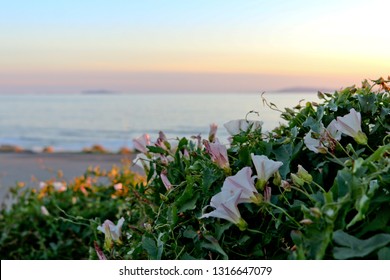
285, 213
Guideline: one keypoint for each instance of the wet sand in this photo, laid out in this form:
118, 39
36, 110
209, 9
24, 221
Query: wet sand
31, 168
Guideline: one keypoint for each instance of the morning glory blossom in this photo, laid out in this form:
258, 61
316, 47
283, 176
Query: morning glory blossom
351, 125
141, 142
218, 153
112, 232
235, 127
227, 210
325, 138
213, 132
243, 182
265, 168
165, 180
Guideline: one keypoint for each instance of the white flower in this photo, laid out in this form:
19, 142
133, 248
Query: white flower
112, 232
218, 153
141, 142
325, 139
44, 211
118, 186
213, 132
265, 168
267, 194
227, 210
243, 182
351, 125
59, 186
235, 127
165, 180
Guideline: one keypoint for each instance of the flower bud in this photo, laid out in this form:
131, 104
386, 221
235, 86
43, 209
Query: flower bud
277, 179
299, 182
304, 175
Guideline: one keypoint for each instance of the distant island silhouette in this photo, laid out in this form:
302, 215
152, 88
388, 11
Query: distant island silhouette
304, 89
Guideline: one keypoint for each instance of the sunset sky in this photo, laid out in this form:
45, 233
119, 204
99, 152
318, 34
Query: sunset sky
191, 46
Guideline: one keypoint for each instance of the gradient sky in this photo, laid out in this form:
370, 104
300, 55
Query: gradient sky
191, 46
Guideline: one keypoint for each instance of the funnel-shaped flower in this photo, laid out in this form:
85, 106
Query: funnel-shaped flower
351, 125
324, 140
243, 182
265, 168
218, 153
165, 180
235, 127
227, 210
213, 132
141, 142
112, 232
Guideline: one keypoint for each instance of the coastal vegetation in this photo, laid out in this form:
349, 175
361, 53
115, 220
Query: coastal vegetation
316, 187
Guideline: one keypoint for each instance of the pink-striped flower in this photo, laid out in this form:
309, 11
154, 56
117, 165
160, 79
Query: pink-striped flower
351, 125
235, 127
265, 168
227, 210
141, 142
243, 182
213, 132
112, 232
325, 139
218, 153
165, 180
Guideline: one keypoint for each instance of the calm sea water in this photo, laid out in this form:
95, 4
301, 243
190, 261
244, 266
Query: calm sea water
74, 121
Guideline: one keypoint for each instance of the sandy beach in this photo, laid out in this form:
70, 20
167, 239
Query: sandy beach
31, 168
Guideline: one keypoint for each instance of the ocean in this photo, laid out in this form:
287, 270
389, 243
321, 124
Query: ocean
71, 122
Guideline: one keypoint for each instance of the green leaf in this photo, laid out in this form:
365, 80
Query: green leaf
384, 253
353, 247
154, 250
156, 150
367, 103
182, 143
189, 204
283, 154
209, 177
188, 199
213, 245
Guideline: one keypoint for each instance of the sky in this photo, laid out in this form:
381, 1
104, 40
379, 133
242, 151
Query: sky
191, 46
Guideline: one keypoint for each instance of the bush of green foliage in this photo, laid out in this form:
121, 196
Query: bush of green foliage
317, 187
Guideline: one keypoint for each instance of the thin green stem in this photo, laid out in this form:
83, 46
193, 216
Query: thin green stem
285, 213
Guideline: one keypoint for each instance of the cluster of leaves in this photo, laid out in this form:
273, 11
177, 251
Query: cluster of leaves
58, 220
330, 203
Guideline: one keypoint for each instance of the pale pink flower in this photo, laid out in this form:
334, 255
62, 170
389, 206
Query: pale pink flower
112, 232
59, 186
99, 252
243, 182
213, 132
44, 211
267, 194
118, 186
218, 153
235, 127
141, 142
227, 210
165, 180
325, 139
351, 125
265, 168
42, 185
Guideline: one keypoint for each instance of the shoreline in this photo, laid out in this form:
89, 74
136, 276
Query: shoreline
33, 167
